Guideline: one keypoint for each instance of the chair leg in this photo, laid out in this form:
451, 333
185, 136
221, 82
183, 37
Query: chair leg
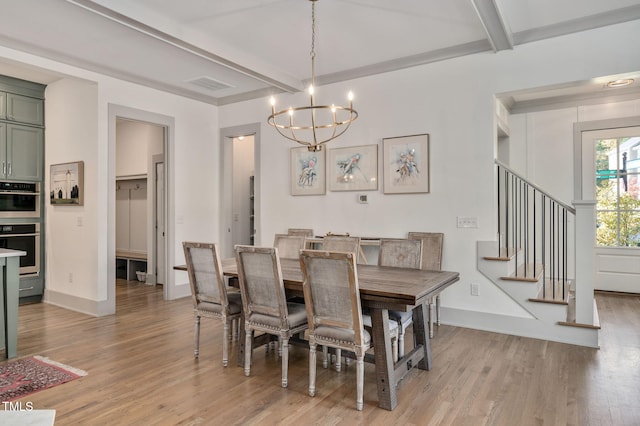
285, 360
247, 350
338, 359
325, 357
196, 347
360, 382
225, 343
234, 330
312, 369
438, 310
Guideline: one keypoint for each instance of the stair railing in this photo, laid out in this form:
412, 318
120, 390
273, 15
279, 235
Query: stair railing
536, 229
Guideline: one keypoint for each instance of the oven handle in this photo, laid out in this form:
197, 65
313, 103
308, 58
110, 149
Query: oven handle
35, 234
18, 193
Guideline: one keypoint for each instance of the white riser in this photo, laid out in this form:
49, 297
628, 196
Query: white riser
546, 315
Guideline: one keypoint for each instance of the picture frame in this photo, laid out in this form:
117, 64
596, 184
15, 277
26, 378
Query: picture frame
406, 164
353, 168
67, 184
308, 172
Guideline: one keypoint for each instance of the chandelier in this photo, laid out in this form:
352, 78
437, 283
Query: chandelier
313, 125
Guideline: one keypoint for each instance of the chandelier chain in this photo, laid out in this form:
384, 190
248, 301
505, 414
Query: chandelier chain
313, 42
307, 129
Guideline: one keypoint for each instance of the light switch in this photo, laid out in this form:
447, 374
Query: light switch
467, 222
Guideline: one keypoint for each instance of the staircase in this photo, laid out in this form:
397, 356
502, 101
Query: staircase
534, 260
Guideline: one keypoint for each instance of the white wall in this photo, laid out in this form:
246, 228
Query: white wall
453, 102
136, 142
71, 244
450, 100
80, 244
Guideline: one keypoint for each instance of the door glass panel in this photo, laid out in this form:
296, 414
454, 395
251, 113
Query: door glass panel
617, 163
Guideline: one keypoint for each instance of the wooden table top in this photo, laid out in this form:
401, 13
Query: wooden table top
388, 285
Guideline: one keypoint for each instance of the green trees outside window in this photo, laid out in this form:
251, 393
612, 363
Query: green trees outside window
618, 192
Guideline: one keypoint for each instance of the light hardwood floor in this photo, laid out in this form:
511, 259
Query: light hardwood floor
141, 371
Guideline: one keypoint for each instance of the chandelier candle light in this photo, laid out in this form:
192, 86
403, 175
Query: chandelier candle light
313, 125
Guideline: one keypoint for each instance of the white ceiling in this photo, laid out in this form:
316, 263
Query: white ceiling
259, 47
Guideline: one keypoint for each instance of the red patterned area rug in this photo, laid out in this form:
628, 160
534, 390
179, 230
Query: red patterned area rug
25, 376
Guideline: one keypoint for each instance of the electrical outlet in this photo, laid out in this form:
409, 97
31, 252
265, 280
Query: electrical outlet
475, 290
363, 199
467, 222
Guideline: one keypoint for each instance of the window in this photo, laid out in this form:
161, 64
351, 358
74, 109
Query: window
618, 192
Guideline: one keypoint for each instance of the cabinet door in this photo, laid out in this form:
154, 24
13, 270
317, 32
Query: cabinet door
24, 109
25, 152
3, 105
3, 150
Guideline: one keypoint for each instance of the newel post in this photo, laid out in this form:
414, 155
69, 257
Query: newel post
585, 259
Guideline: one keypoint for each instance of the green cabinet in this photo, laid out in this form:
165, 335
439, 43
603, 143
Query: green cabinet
22, 159
24, 109
3, 105
21, 152
21, 137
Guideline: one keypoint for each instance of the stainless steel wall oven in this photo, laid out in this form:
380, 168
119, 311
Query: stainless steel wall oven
25, 237
19, 199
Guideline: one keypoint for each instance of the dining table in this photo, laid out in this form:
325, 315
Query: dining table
381, 289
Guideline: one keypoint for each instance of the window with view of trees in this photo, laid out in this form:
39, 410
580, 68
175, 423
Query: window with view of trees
618, 192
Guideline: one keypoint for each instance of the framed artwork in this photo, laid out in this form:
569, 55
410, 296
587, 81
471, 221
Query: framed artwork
307, 172
406, 164
67, 184
353, 168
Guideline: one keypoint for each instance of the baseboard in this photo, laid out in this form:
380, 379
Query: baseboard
96, 308
519, 326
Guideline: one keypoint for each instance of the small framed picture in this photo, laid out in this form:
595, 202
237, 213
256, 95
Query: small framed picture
307, 172
406, 164
353, 168
67, 184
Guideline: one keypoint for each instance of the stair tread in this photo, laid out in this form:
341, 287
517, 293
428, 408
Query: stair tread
504, 255
554, 291
571, 321
527, 273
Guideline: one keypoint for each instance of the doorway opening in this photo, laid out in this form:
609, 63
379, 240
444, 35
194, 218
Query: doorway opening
139, 216
240, 186
139, 196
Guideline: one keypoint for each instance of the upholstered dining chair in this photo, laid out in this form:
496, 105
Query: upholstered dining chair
289, 246
343, 243
332, 298
400, 253
432, 243
352, 244
305, 232
265, 306
210, 294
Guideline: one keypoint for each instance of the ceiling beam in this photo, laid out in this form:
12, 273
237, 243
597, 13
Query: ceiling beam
611, 17
91, 6
491, 19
